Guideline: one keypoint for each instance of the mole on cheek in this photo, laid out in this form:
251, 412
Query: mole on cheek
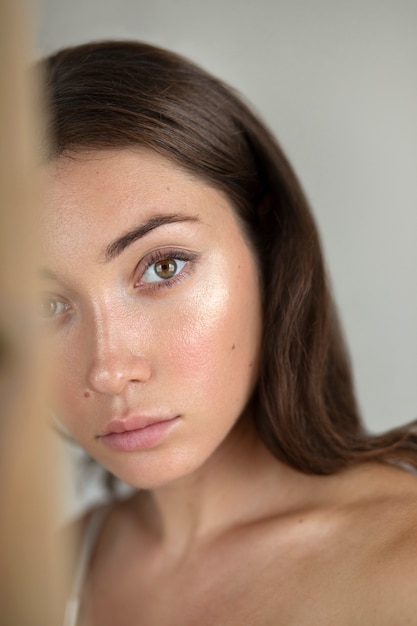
86, 394
233, 347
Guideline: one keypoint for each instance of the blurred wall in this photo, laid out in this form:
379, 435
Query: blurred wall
336, 81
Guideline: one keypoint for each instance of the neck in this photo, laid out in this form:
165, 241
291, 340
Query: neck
241, 482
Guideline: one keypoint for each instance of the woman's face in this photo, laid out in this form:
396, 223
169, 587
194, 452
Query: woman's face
152, 309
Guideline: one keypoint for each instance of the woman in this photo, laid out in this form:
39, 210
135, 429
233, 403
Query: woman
199, 359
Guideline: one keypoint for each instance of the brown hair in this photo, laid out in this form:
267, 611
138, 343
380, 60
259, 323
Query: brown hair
123, 94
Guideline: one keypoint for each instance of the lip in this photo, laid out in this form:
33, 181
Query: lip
137, 432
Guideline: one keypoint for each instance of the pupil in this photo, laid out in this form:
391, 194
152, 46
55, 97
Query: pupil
166, 268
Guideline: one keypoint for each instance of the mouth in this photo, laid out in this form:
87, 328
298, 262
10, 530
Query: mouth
137, 432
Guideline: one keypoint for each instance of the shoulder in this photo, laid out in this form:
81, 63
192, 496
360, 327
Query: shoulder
395, 564
382, 497
350, 553
378, 541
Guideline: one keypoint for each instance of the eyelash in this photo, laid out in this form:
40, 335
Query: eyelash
189, 259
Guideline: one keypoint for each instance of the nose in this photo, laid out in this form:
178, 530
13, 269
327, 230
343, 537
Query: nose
110, 375
116, 361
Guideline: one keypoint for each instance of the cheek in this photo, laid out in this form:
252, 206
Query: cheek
216, 343
67, 388
71, 351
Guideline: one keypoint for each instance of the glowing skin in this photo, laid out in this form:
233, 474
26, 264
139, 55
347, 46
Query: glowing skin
163, 327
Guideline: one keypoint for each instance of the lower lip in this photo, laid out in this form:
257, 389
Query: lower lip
140, 439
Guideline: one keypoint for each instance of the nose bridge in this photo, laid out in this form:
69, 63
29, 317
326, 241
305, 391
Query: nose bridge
116, 352
106, 328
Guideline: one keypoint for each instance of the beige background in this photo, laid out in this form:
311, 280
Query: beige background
336, 81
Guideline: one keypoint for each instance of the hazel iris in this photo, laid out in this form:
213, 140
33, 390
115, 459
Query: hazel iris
166, 268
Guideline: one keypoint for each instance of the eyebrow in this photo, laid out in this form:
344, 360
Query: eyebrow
46, 273
117, 246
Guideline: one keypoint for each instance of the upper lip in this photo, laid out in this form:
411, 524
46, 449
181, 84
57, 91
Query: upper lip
133, 422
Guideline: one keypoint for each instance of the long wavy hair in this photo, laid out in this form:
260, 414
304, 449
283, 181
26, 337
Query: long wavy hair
121, 94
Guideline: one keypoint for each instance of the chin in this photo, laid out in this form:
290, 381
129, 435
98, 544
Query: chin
154, 473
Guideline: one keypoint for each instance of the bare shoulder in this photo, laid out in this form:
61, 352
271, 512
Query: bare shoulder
383, 497
379, 532
397, 560
353, 551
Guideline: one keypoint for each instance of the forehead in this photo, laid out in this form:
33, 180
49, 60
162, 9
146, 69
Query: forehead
116, 183
79, 181
92, 197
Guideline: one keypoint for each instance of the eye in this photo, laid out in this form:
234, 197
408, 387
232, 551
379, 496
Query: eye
50, 307
163, 269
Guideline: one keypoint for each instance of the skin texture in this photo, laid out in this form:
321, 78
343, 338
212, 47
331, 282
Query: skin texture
220, 532
187, 348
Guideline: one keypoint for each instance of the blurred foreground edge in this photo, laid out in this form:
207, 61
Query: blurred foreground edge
32, 570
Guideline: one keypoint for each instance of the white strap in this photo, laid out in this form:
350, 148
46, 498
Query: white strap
89, 542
